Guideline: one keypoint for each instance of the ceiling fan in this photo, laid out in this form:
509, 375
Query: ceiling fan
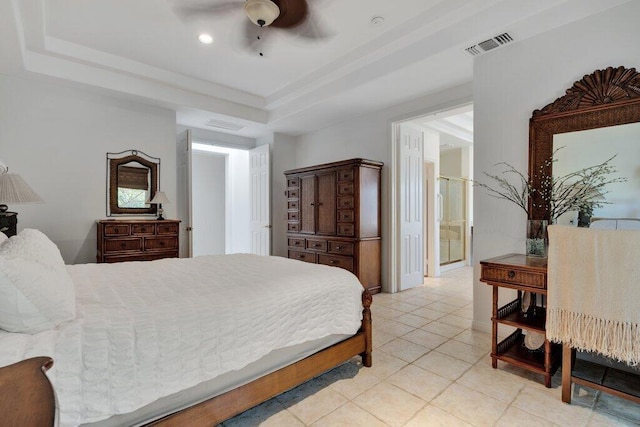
291, 16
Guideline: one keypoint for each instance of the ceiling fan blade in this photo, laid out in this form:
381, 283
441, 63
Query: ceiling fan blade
189, 12
312, 29
292, 13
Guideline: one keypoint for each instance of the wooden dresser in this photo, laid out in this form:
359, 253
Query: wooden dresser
334, 217
137, 240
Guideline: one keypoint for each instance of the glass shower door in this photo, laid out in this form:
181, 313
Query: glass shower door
452, 220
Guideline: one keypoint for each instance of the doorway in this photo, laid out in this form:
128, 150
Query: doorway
446, 195
221, 201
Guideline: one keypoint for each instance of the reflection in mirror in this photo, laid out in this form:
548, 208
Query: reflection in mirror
132, 180
587, 148
134, 185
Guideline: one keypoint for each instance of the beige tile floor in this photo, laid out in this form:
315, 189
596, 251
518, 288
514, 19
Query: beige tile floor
431, 369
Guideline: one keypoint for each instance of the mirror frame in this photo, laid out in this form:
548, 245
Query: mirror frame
116, 159
604, 98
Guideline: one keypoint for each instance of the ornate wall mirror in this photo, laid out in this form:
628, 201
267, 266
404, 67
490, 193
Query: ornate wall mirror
132, 180
603, 99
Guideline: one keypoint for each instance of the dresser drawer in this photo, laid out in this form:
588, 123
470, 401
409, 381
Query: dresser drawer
345, 215
160, 243
345, 175
317, 245
293, 216
341, 248
293, 194
293, 182
140, 257
293, 226
293, 205
345, 188
346, 203
296, 243
116, 229
303, 256
514, 276
346, 229
122, 244
336, 261
167, 228
143, 229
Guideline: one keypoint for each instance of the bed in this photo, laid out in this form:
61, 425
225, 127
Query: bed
179, 341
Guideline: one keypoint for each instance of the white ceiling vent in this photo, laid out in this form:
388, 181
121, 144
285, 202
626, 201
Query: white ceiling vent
487, 45
221, 124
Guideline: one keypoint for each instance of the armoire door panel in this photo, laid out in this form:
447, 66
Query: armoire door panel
326, 204
307, 204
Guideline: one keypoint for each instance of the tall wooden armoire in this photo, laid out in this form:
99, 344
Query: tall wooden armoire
334, 217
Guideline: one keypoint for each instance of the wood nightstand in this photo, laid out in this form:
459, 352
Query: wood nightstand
524, 274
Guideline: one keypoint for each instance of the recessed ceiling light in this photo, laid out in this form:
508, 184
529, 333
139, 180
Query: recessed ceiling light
205, 38
377, 20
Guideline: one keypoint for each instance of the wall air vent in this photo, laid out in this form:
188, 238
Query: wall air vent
221, 124
487, 45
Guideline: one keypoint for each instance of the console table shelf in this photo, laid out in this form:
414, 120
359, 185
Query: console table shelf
511, 315
523, 274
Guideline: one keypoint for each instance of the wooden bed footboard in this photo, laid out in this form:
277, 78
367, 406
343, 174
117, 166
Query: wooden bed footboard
26, 395
236, 401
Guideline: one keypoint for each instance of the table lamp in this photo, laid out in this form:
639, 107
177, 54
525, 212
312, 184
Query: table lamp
158, 199
15, 191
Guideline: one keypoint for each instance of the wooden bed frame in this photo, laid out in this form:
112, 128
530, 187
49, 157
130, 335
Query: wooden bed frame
28, 398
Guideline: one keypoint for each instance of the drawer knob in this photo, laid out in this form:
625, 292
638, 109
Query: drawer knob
123, 245
297, 243
338, 248
333, 261
301, 256
161, 243
143, 229
316, 245
511, 274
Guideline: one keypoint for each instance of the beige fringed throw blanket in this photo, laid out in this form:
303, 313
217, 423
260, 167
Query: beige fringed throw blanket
594, 291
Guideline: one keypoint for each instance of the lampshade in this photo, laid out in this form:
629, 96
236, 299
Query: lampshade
261, 12
15, 191
159, 198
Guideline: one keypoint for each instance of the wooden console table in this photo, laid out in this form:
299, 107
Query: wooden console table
524, 274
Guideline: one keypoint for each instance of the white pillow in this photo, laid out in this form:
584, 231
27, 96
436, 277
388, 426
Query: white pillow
36, 292
33, 245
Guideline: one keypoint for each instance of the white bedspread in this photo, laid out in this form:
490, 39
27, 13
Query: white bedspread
148, 329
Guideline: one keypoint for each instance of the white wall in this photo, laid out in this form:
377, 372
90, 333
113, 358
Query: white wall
369, 137
238, 202
432, 203
509, 83
451, 163
208, 171
283, 155
57, 138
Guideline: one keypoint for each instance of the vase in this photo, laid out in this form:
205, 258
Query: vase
537, 239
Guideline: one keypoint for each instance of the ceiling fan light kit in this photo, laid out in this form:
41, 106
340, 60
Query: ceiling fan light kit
261, 12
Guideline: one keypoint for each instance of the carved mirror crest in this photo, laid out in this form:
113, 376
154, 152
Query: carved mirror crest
604, 98
132, 180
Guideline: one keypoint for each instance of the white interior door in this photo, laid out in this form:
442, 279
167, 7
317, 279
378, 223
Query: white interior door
184, 203
411, 155
260, 195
